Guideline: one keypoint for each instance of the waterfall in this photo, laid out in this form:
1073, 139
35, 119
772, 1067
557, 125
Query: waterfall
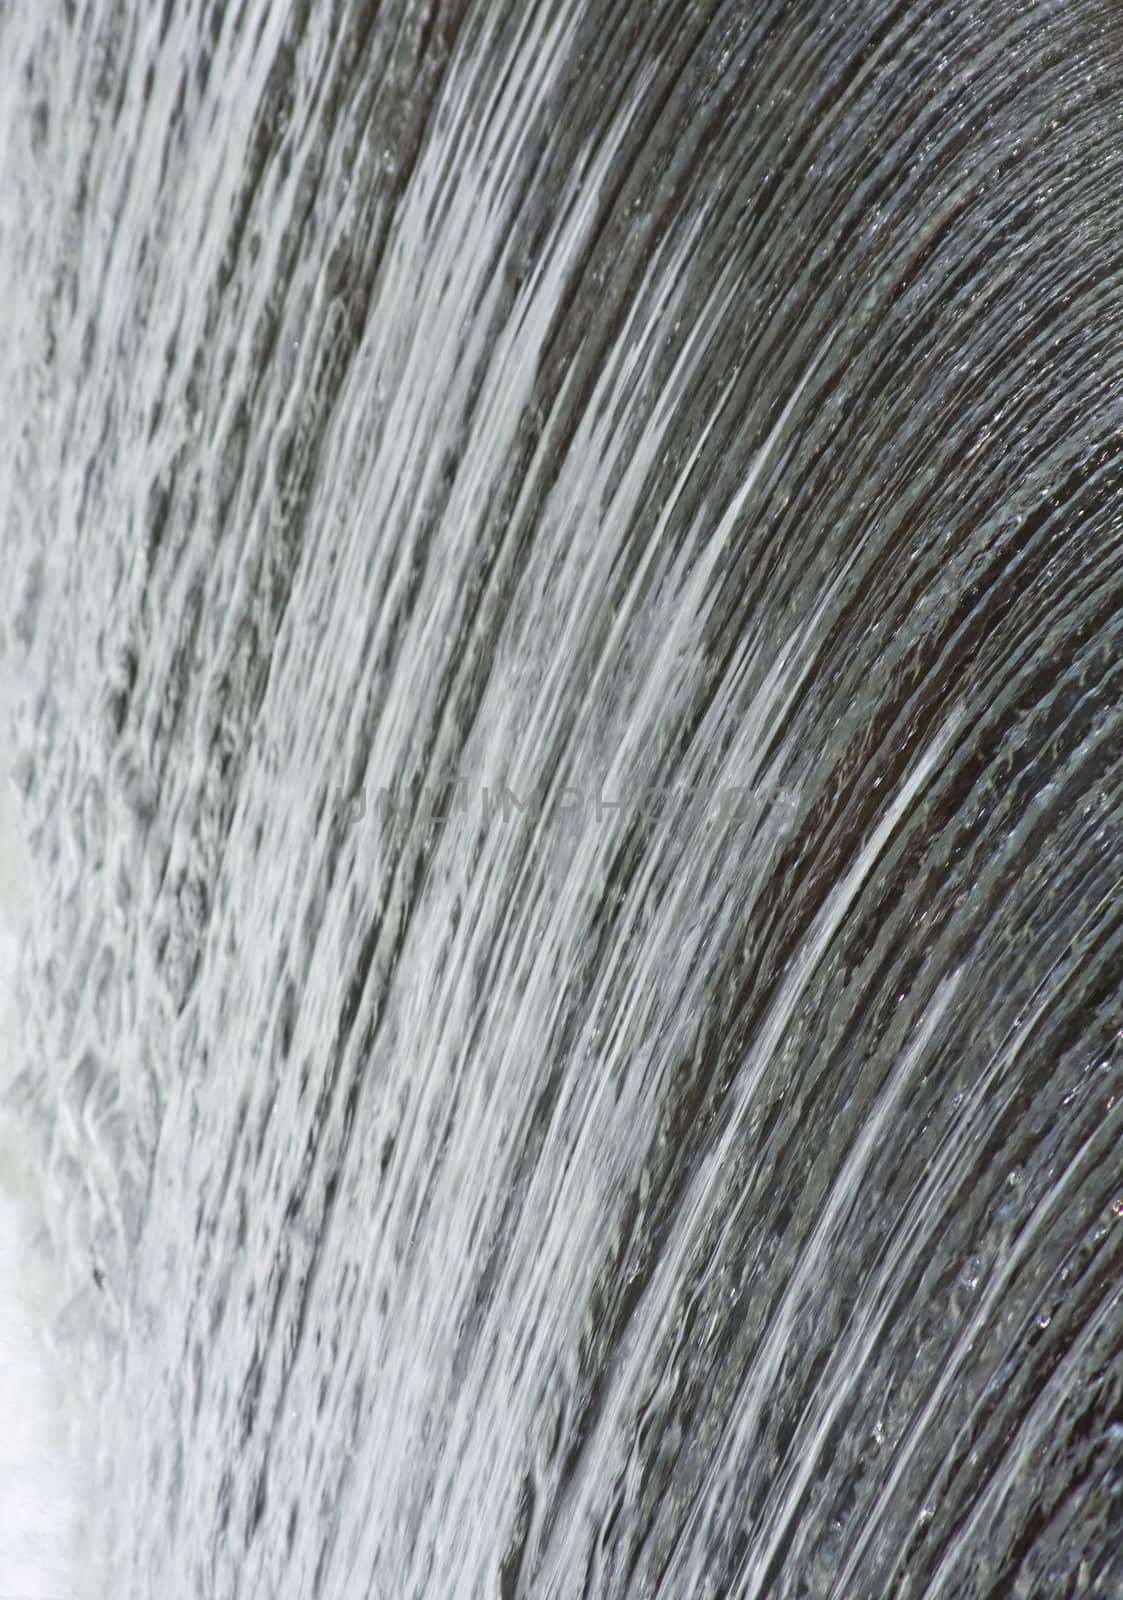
561, 625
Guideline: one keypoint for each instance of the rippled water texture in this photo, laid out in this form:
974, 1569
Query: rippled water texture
567, 399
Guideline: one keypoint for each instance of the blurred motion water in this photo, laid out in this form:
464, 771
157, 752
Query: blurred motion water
454, 1197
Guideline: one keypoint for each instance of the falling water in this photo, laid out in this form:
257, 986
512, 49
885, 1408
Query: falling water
563, 575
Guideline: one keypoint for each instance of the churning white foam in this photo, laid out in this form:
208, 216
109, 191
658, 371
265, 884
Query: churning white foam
37, 1499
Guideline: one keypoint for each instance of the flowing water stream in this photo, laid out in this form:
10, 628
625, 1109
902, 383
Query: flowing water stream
562, 603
